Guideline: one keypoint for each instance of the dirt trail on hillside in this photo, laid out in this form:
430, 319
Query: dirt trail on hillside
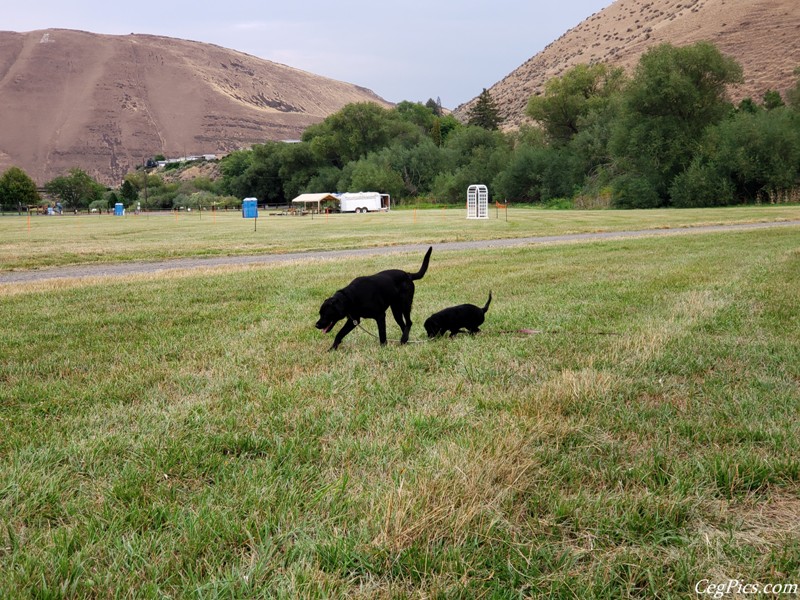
139, 268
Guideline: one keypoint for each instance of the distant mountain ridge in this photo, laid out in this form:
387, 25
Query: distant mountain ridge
105, 103
762, 35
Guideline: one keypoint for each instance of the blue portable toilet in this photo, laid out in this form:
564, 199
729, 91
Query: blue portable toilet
250, 208
119, 210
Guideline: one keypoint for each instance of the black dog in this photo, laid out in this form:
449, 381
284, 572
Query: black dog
456, 318
368, 298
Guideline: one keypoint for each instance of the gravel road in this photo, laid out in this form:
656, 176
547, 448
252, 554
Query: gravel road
134, 268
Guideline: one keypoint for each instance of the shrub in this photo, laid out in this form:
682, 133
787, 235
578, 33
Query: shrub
700, 185
634, 191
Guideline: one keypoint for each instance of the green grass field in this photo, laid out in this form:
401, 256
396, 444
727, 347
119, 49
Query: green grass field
189, 436
55, 241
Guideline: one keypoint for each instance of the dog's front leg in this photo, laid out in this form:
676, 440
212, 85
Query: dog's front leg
348, 326
381, 321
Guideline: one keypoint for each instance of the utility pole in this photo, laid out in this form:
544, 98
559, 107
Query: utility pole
144, 170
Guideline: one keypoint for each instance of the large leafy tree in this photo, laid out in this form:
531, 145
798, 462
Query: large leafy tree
567, 100
352, 133
234, 173
412, 168
298, 165
417, 165
464, 144
17, 189
375, 173
535, 174
471, 155
674, 95
76, 190
419, 114
262, 177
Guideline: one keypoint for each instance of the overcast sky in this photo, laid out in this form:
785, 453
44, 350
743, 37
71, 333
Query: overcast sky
401, 50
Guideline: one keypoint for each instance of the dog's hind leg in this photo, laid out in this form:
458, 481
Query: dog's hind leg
403, 321
406, 332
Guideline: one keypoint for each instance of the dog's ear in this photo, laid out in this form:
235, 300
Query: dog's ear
339, 302
334, 305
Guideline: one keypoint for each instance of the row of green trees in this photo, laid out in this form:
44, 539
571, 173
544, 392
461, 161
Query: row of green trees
150, 191
665, 136
79, 191
668, 136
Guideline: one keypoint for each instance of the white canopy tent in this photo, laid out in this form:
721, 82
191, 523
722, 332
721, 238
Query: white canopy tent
318, 199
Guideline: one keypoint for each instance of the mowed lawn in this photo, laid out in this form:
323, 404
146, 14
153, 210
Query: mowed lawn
189, 436
43, 241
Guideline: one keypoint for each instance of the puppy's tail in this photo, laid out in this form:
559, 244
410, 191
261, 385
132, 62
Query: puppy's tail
488, 302
419, 274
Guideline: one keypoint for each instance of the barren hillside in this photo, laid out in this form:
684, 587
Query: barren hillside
762, 35
104, 103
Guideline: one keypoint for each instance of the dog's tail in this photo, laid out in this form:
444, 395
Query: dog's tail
488, 302
419, 274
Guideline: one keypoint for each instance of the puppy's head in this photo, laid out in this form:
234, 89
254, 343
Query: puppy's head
331, 312
432, 327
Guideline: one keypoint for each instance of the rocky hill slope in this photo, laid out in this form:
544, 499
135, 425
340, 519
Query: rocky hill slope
105, 103
762, 35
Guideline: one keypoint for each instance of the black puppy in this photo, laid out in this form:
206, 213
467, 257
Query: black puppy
368, 298
456, 318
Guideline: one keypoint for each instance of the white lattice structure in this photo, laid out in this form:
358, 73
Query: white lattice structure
477, 202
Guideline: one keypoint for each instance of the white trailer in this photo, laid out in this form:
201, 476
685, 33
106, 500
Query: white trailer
364, 202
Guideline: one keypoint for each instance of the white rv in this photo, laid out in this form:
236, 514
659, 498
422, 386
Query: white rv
364, 202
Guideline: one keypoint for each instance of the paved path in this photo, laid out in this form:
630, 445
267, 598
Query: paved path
133, 268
